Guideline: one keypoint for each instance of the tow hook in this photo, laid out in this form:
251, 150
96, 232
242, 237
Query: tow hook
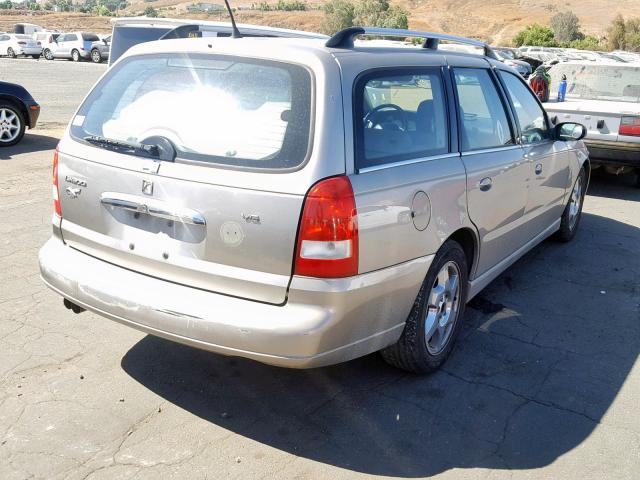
72, 306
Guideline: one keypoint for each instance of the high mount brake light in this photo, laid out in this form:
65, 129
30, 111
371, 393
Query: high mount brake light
328, 233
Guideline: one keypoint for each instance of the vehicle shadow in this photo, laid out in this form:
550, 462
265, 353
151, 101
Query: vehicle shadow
621, 187
32, 142
536, 368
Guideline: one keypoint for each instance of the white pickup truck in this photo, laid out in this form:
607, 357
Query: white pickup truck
604, 97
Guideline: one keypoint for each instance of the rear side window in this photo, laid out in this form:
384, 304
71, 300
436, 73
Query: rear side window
483, 119
90, 37
213, 109
400, 117
533, 123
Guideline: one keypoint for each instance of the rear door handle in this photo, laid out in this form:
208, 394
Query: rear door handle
538, 169
485, 184
154, 208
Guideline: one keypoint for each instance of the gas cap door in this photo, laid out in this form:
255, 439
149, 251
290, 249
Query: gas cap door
421, 210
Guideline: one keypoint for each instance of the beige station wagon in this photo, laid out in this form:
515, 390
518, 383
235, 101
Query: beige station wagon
303, 202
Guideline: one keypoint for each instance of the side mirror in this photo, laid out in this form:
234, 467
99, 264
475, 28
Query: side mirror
570, 132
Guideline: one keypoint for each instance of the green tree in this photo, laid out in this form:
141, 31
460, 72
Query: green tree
535, 34
6, 5
616, 33
566, 27
338, 14
378, 13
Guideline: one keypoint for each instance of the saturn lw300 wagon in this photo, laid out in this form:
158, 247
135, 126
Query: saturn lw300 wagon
303, 202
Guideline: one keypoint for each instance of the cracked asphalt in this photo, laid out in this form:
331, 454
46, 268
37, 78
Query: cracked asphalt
544, 382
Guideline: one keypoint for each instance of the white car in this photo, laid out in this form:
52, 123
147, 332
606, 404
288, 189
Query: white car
603, 96
13, 45
48, 42
75, 46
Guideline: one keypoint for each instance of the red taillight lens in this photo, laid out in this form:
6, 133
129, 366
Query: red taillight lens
629, 125
328, 234
56, 189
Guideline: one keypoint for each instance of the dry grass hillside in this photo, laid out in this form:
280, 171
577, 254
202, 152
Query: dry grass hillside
496, 22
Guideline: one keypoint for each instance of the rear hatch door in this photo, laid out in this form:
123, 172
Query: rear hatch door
219, 217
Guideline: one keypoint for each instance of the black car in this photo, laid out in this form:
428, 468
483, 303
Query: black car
18, 110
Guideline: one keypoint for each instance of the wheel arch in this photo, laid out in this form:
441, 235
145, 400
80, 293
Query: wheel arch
19, 104
468, 240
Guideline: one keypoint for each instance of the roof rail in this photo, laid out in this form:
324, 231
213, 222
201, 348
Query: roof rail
195, 30
344, 38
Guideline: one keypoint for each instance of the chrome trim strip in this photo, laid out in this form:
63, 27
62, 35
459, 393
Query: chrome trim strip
491, 150
153, 208
411, 161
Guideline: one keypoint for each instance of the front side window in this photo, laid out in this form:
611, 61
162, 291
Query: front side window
217, 109
531, 117
400, 117
483, 119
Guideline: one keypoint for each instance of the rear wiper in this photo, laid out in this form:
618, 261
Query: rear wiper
124, 147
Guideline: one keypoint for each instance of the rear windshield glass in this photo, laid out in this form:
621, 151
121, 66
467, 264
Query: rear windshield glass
599, 82
90, 37
217, 109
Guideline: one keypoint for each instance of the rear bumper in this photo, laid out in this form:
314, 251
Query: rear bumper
614, 153
31, 51
323, 322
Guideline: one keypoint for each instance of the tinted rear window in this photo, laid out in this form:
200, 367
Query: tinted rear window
90, 37
216, 109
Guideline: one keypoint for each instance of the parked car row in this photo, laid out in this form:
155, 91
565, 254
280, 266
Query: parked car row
53, 45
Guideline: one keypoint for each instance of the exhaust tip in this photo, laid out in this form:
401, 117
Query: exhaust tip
72, 306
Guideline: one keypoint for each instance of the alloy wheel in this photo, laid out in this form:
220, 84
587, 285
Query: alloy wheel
442, 308
95, 56
48, 54
9, 125
11, 53
575, 203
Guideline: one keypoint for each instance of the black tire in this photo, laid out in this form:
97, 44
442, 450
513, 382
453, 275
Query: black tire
410, 352
18, 113
95, 56
75, 55
569, 223
48, 54
35, 56
11, 53
637, 177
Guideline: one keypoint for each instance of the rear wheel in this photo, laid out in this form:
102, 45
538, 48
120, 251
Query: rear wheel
95, 56
11, 124
435, 319
11, 53
48, 54
75, 55
638, 177
35, 56
573, 211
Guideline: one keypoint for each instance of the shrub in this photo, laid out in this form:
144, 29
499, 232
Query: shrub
339, 14
535, 34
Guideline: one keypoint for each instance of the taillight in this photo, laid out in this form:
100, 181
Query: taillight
629, 125
56, 189
328, 234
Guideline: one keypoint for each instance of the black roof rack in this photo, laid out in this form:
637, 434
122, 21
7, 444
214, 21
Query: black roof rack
344, 38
